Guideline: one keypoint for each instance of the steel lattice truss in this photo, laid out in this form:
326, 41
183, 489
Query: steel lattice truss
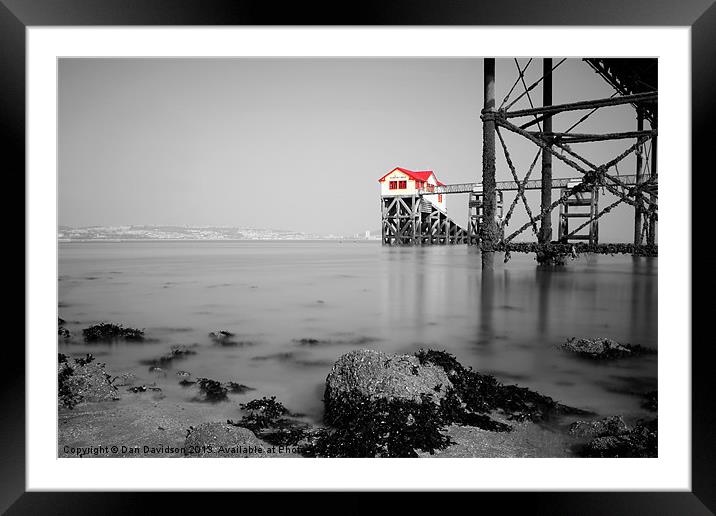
635, 191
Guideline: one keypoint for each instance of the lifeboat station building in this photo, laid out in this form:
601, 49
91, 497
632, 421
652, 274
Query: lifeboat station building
412, 214
401, 181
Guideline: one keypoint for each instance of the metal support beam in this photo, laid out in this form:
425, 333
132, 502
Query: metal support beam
585, 138
545, 234
488, 230
586, 104
638, 209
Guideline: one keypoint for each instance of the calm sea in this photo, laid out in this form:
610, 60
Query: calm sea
350, 295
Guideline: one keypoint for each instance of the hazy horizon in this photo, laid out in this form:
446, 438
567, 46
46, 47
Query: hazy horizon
296, 144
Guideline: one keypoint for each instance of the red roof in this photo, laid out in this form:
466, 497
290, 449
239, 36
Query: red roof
422, 175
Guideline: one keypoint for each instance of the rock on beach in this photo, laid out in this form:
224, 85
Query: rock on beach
613, 425
600, 348
224, 440
87, 382
373, 374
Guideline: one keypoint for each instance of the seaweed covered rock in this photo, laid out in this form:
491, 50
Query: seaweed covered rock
212, 390
237, 388
641, 441
83, 380
107, 332
61, 330
378, 405
382, 427
215, 391
273, 422
475, 394
223, 337
375, 375
613, 426
223, 440
548, 256
602, 349
177, 351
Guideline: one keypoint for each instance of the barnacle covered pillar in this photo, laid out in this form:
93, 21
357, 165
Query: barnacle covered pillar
488, 228
651, 235
545, 234
638, 209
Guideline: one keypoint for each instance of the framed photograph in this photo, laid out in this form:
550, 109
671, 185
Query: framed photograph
413, 250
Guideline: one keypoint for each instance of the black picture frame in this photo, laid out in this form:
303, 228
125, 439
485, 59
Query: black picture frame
700, 15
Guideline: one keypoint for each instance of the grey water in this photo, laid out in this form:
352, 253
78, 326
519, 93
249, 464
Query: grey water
350, 295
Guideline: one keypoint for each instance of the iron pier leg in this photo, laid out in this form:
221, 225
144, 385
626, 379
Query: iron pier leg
545, 236
593, 211
651, 236
638, 209
488, 228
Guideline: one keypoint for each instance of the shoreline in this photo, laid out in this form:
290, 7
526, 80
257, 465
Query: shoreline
145, 424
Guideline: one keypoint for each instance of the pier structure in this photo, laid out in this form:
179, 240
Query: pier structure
411, 220
476, 213
578, 206
400, 212
413, 212
635, 84
587, 197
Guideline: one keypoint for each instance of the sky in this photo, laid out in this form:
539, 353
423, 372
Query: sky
297, 143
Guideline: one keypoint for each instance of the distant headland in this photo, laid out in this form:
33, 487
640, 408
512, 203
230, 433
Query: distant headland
144, 232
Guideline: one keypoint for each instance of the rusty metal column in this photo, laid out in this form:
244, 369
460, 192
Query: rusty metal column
545, 234
651, 235
488, 228
638, 209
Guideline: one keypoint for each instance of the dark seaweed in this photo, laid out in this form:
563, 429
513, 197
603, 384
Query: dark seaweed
551, 257
308, 342
358, 426
223, 337
441, 359
176, 352
642, 441
212, 390
67, 396
61, 330
108, 331
267, 419
138, 388
263, 413
482, 394
610, 353
363, 427
453, 411
357, 341
381, 428
84, 361
237, 388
